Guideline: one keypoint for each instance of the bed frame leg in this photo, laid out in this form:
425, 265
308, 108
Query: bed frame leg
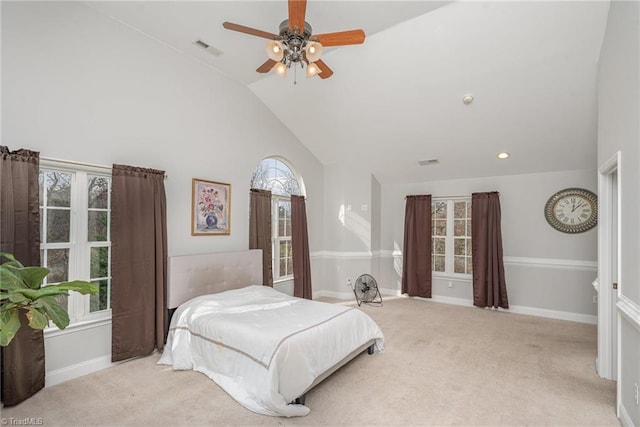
370, 349
300, 400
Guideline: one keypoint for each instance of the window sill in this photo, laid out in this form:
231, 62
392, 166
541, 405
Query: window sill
103, 320
283, 280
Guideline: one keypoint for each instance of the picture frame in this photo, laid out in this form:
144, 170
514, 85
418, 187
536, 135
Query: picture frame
210, 208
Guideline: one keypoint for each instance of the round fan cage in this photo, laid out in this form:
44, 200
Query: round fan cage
366, 290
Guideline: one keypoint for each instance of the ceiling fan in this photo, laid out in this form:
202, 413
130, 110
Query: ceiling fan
295, 44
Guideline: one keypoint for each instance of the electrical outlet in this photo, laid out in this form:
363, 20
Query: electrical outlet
348, 281
451, 284
635, 393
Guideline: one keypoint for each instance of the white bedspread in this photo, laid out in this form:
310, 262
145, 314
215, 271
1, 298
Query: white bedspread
263, 347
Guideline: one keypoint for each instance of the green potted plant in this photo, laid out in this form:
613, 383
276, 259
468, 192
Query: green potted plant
21, 291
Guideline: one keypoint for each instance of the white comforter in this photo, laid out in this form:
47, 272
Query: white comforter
263, 347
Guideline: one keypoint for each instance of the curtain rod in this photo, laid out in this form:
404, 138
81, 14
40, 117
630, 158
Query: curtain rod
76, 163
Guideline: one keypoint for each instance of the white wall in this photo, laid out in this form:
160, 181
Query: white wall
548, 273
619, 130
80, 86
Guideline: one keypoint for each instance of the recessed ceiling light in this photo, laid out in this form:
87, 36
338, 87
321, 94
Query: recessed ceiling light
503, 155
467, 99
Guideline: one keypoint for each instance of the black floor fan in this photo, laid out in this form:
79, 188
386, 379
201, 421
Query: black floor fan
366, 290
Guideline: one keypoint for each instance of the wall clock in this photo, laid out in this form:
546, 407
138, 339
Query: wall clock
572, 210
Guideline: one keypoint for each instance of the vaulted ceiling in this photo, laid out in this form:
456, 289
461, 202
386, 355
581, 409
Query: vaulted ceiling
397, 99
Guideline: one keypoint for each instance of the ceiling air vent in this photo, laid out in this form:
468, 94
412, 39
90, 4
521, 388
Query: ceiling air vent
212, 50
428, 162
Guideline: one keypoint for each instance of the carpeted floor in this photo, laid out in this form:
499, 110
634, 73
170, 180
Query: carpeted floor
443, 365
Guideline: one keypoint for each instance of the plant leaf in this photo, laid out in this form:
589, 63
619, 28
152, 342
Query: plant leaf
37, 319
78, 286
56, 313
9, 280
10, 325
31, 276
11, 258
34, 294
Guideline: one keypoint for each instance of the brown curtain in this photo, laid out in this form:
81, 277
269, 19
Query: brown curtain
300, 248
416, 254
23, 365
138, 261
489, 285
260, 230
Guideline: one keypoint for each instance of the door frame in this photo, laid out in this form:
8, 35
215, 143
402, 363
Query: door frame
607, 187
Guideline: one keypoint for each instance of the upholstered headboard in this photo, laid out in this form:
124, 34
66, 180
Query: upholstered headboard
194, 275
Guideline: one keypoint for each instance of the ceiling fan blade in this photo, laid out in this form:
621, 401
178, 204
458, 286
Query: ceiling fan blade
326, 72
297, 10
267, 66
340, 38
250, 31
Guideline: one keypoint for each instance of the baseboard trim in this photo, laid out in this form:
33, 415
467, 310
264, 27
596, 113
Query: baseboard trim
625, 418
530, 311
74, 371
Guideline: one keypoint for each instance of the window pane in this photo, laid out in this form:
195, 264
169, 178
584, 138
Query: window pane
58, 225
459, 246
439, 210
439, 227
98, 226
469, 228
469, 247
459, 264
99, 262
438, 263
459, 228
460, 209
469, 265
272, 174
58, 188
57, 261
438, 246
98, 192
100, 301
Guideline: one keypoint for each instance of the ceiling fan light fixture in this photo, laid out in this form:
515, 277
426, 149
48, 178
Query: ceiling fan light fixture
313, 51
275, 50
280, 69
312, 70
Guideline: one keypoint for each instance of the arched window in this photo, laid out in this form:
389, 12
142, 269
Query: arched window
276, 176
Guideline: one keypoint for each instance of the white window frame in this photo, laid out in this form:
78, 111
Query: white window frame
449, 241
79, 247
276, 239
276, 196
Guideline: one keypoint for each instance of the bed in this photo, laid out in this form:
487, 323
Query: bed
264, 348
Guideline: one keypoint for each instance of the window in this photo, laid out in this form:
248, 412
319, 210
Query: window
451, 236
75, 235
274, 175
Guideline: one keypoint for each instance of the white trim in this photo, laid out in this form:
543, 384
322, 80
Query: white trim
53, 331
606, 270
629, 310
625, 418
79, 369
344, 254
568, 264
529, 311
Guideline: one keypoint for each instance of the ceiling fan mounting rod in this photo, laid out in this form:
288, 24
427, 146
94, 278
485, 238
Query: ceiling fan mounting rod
295, 42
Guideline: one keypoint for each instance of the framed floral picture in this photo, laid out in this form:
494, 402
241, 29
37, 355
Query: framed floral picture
210, 208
